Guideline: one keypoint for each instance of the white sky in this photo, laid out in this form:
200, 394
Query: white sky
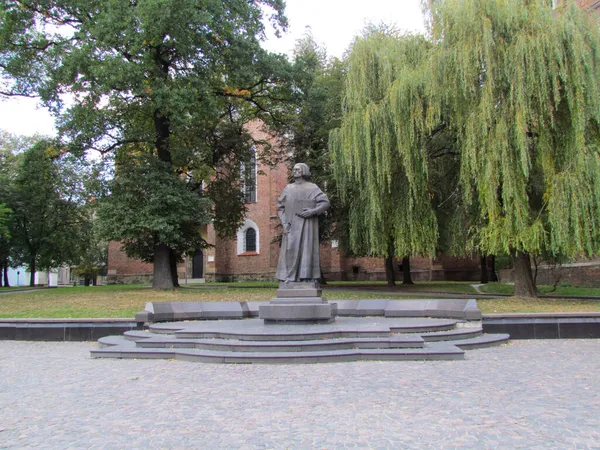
333, 23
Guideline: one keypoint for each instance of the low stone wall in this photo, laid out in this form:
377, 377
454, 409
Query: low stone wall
581, 275
227, 278
136, 278
417, 275
464, 309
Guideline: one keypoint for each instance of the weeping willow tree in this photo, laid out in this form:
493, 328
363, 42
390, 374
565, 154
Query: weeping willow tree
379, 151
520, 83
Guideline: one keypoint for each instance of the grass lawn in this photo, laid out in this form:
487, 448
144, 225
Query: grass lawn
537, 305
17, 288
457, 287
123, 301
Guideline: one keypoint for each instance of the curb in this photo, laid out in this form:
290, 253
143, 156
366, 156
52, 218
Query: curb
519, 326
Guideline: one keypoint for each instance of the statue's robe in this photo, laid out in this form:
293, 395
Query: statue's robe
299, 254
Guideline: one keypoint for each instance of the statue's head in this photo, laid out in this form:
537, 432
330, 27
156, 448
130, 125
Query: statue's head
301, 170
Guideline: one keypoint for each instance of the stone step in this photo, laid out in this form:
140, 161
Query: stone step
284, 346
483, 341
466, 341
452, 335
442, 326
432, 351
255, 330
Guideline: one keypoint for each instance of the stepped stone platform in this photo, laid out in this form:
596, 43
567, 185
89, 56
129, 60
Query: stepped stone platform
368, 330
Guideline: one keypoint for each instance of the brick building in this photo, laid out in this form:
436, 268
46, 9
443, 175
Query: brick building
253, 254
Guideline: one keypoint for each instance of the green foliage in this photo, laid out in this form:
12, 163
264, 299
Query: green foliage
92, 262
148, 205
508, 91
519, 82
319, 82
176, 80
380, 150
47, 227
4, 216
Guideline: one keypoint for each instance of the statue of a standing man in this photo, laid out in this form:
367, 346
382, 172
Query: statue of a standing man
298, 209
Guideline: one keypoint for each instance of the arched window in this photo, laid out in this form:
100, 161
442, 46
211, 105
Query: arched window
250, 240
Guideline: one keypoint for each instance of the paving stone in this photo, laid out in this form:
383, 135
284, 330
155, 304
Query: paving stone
529, 394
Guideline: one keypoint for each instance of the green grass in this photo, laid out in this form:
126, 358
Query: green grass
561, 291
123, 301
16, 288
537, 305
457, 287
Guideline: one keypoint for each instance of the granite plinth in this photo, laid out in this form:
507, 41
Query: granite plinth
296, 300
298, 313
298, 303
311, 292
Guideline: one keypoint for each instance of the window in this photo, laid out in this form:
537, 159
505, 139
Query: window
249, 178
250, 240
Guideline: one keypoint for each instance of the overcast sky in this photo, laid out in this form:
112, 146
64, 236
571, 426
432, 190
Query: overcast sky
333, 23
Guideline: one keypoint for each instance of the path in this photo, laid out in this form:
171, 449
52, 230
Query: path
529, 394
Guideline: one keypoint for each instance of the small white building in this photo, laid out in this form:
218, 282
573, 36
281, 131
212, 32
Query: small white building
54, 277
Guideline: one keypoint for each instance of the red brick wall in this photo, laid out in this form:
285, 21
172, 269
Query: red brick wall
120, 263
122, 269
263, 212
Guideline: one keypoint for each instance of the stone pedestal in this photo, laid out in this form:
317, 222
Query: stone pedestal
298, 303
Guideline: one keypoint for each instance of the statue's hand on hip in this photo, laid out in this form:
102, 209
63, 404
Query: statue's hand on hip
306, 213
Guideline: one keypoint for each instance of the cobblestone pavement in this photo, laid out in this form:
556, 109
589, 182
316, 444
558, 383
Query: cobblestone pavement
528, 394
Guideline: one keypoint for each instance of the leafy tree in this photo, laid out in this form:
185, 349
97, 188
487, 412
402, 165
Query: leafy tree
174, 80
151, 212
11, 147
515, 83
46, 227
380, 150
92, 262
519, 82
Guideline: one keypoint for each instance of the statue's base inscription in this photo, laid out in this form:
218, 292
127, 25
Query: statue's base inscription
298, 302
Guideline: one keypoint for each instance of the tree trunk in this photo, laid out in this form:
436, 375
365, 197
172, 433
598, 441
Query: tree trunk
162, 278
406, 277
1, 274
524, 285
5, 270
32, 271
173, 264
390, 276
86, 282
483, 269
165, 268
492, 266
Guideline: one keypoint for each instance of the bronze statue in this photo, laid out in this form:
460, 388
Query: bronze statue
298, 208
